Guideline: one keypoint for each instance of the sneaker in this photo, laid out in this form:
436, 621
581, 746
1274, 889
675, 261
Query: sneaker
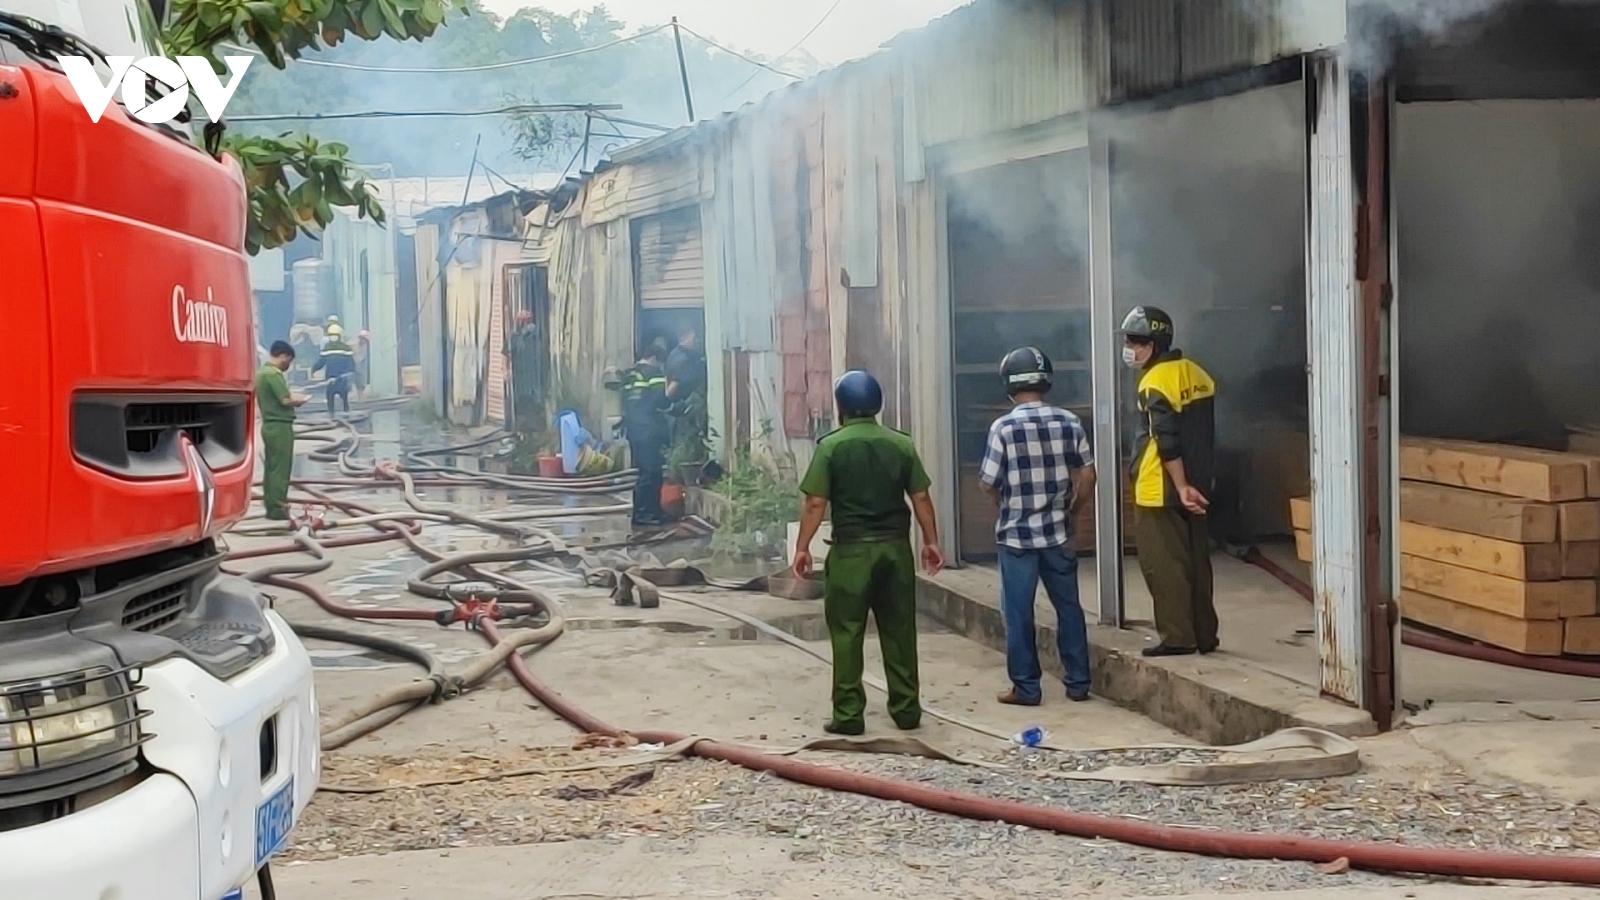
1078, 696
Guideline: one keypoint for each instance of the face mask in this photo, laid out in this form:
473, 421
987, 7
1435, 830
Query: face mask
1130, 357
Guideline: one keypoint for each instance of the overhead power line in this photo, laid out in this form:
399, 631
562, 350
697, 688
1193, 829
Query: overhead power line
488, 67
749, 59
442, 113
797, 44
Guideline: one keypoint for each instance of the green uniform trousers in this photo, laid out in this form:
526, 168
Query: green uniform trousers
1175, 556
879, 577
278, 438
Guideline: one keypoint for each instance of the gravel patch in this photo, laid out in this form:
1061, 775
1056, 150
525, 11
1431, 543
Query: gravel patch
905, 850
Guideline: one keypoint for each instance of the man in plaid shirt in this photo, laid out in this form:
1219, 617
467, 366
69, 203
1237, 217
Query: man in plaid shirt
1039, 467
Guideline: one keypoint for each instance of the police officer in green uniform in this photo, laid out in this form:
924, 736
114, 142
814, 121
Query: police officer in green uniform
865, 472
277, 405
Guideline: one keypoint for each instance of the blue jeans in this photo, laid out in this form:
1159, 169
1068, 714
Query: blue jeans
1020, 574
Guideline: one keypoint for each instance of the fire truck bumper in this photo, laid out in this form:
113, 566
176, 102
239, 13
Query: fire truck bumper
235, 764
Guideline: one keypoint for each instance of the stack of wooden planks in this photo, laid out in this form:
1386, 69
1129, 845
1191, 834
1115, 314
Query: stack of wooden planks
1499, 544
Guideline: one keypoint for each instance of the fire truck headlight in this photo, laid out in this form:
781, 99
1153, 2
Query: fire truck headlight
67, 720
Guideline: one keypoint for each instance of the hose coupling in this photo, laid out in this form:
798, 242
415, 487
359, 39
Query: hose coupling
445, 687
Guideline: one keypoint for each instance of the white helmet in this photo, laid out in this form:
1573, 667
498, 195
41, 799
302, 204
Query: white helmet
334, 331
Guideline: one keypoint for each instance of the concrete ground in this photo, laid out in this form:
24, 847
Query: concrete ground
696, 829
716, 867
1502, 722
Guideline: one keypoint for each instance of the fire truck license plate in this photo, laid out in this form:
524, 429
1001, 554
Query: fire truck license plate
274, 820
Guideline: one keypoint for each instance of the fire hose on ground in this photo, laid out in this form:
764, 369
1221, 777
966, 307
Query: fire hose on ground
1174, 838
340, 449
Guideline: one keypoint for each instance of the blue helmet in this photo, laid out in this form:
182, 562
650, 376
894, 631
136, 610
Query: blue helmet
858, 394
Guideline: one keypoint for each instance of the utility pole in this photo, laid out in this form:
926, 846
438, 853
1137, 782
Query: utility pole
588, 129
466, 192
683, 68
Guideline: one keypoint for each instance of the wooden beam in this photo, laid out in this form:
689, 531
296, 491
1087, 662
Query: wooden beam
1534, 638
1480, 513
1580, 521
1580, 559
1500, 470
1526, 562
1303, 547
1507, 596
1583, 636
1300, 513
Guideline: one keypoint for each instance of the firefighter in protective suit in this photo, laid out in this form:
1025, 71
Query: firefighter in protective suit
338, 360
644, 421
1172, 480
865, 472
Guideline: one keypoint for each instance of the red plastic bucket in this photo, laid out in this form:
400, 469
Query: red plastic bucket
672, 500
550, 467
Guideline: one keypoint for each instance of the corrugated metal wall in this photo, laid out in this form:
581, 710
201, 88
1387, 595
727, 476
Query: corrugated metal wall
1139, 48
430, 315
654, 185
1334, 319
361, 256
591, 308
501, 254
927, 344
994, 66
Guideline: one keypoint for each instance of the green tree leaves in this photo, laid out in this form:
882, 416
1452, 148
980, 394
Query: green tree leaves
284, 29
294, 183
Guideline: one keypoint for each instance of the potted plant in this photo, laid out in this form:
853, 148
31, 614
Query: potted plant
691, 441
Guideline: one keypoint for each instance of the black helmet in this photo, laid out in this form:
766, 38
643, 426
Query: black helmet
1147, 323
1026, 369
858, 394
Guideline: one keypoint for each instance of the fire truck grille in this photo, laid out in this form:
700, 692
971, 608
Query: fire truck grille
147, 423
155, 610
141, 436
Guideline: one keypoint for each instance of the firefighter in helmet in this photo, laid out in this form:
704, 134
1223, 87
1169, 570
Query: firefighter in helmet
866, 472
338, 360
644, 421
1172, 482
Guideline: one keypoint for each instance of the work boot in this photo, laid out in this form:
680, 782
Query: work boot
278, 515
908, 724
1011, 698
1162, 650
846, 729
1078, 696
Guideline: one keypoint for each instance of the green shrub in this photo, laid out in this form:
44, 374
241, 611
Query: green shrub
761, 501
